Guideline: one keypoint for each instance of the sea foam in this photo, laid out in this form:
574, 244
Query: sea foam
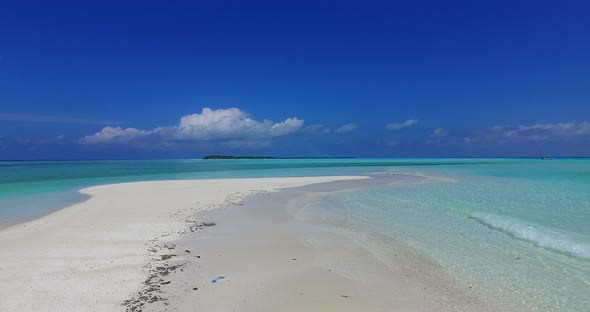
539, 235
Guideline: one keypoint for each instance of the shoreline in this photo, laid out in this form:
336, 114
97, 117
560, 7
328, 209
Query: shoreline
91, 254
52, 210
159, 245
305, 265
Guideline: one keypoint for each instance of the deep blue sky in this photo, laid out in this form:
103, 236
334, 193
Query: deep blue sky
496, 78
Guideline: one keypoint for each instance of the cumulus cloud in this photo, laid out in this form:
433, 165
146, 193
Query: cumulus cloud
230, 124
346, 128
396, 126
533, 133
439, 133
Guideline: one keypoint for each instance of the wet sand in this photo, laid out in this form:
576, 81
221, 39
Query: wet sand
266, 256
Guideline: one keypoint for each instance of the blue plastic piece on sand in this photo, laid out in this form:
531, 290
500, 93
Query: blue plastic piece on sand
217, 279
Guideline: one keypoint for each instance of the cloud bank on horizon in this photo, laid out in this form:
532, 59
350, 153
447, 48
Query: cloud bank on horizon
234, 130
236, 127
563, 131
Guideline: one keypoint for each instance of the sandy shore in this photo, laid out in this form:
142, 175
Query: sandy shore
91, 256
164, 246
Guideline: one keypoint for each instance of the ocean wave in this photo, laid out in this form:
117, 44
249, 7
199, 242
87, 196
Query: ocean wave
538, 235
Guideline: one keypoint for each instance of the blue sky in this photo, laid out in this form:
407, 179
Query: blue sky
114, 79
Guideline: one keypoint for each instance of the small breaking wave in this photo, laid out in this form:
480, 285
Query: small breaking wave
538, 235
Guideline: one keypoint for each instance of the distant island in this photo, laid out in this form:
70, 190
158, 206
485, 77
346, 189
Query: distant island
236, 157
262, 157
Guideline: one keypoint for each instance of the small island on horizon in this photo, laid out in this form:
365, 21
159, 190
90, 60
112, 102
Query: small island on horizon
262, 157
236, 157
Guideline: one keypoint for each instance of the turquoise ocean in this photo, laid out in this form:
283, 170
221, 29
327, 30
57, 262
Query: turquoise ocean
520, 227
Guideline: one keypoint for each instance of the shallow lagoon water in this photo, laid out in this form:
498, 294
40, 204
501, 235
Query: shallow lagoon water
524, 237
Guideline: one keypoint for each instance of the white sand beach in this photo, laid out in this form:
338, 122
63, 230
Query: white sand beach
90, 256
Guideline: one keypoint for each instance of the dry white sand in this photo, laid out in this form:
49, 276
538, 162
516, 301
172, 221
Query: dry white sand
90, 256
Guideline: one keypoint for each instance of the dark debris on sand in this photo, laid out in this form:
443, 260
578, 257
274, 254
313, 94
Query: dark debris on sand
151, 291
157, 269
195, 226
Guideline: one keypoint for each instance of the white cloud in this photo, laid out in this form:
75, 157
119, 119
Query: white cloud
397, 126
114, 135
229, 124
317, 129
533, 133
439, 133
346, 128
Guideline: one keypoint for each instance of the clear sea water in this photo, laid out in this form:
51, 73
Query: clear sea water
518, 226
